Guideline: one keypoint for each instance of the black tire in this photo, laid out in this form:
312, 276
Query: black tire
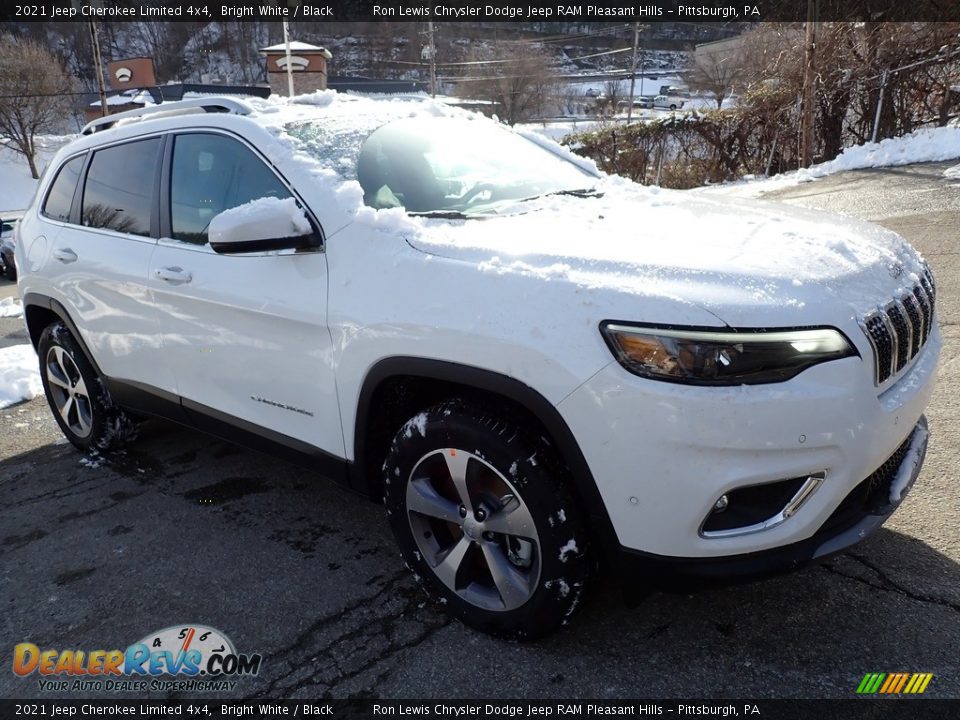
10, 271
513, 480
92, 422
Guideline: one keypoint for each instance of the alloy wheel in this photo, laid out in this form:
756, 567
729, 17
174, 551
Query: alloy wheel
68, 391
473, 529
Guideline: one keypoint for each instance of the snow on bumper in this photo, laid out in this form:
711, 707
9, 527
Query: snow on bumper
662, 454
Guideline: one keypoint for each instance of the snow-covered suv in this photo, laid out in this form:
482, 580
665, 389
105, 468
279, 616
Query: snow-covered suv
536, 366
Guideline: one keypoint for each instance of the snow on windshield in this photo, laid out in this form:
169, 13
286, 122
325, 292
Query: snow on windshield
438, 164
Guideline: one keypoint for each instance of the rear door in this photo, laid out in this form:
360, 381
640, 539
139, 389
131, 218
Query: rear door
245, 335
99, 258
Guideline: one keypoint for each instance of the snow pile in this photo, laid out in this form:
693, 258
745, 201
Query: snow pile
318, 98
10, 308
952, 173
260, 219
905, 474
927, 145
19, 375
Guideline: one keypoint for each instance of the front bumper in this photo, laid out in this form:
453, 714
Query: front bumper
662, 454
862, 512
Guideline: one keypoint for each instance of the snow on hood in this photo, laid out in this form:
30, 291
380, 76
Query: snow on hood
715, 252
743, 261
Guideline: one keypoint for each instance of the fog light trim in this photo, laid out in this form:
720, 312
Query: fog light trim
799, 498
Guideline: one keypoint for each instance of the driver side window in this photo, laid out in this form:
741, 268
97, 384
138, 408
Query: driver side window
212, 173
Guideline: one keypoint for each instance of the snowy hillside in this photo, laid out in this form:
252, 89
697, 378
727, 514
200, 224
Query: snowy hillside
16, 185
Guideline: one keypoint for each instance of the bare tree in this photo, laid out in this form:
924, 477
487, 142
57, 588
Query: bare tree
613, 95
518, 79
37, 95
718, 68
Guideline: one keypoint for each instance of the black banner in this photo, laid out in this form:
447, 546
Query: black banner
645, 11
895, 709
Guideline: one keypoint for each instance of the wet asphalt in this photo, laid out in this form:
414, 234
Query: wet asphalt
179, 528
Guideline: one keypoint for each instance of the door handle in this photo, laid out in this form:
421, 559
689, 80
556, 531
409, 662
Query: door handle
65, 255
173, 275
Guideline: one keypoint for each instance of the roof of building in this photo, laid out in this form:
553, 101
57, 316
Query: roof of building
297, 46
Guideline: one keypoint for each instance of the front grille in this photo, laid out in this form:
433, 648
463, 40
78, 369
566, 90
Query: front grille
898, 330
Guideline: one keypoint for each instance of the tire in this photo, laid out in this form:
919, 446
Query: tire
77, 395
9, 271
510, 515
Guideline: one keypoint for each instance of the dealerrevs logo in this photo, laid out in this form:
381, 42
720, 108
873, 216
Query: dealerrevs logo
199, 658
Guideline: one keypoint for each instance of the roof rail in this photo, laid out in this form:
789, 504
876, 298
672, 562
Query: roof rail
180, 107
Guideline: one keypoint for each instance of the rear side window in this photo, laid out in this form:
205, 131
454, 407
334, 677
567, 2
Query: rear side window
212, 173
60, 197
118, 194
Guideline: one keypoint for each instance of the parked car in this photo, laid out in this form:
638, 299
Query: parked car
7, 242
471, 325
642, 102
671, 102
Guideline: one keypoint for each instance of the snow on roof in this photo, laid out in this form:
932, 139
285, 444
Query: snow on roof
137, 97
296, 46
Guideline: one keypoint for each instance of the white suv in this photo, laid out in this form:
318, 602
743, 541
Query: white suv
536, 366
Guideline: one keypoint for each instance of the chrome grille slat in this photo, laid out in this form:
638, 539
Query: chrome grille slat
895, 343
909, 304
920, 294
898, 330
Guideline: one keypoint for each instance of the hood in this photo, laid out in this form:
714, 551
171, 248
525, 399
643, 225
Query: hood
734, 258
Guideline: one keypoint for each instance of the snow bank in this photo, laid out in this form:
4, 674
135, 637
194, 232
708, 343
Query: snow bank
928, 145
19, 375
10, 308
16, 185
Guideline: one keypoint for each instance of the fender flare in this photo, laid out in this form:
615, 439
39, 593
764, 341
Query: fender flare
511, 388
55, 307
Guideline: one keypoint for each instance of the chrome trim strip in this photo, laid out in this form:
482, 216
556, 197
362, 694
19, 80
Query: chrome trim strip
864, 325
895, 340
898, 302
921, 311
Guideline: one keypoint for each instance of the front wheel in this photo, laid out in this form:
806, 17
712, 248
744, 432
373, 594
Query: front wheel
483, 514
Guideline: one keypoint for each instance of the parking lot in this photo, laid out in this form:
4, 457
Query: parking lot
97, 552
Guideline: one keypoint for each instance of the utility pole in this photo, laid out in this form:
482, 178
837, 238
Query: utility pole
433, 61
286, 42
633, 69
809, 77
98, 66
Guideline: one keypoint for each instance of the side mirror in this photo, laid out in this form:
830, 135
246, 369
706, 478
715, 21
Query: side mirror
267, 223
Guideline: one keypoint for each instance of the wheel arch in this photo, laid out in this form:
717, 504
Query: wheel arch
39, 311
397, 387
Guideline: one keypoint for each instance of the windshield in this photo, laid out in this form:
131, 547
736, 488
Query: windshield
444, 166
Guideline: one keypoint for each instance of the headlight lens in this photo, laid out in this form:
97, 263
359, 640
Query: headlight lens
706, 357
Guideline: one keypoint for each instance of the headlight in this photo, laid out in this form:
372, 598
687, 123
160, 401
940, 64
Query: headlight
726, 357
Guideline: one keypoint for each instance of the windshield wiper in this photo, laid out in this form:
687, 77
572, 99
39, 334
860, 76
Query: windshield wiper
579, 192
445, 214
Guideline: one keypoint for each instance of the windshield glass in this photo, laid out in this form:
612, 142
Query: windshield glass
443, 166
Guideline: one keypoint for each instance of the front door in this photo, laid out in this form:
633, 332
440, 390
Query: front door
245, 335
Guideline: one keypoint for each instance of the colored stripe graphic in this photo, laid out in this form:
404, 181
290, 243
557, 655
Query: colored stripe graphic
871, 683
894, 683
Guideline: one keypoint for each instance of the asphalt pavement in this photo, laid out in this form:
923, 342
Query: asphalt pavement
97, 552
